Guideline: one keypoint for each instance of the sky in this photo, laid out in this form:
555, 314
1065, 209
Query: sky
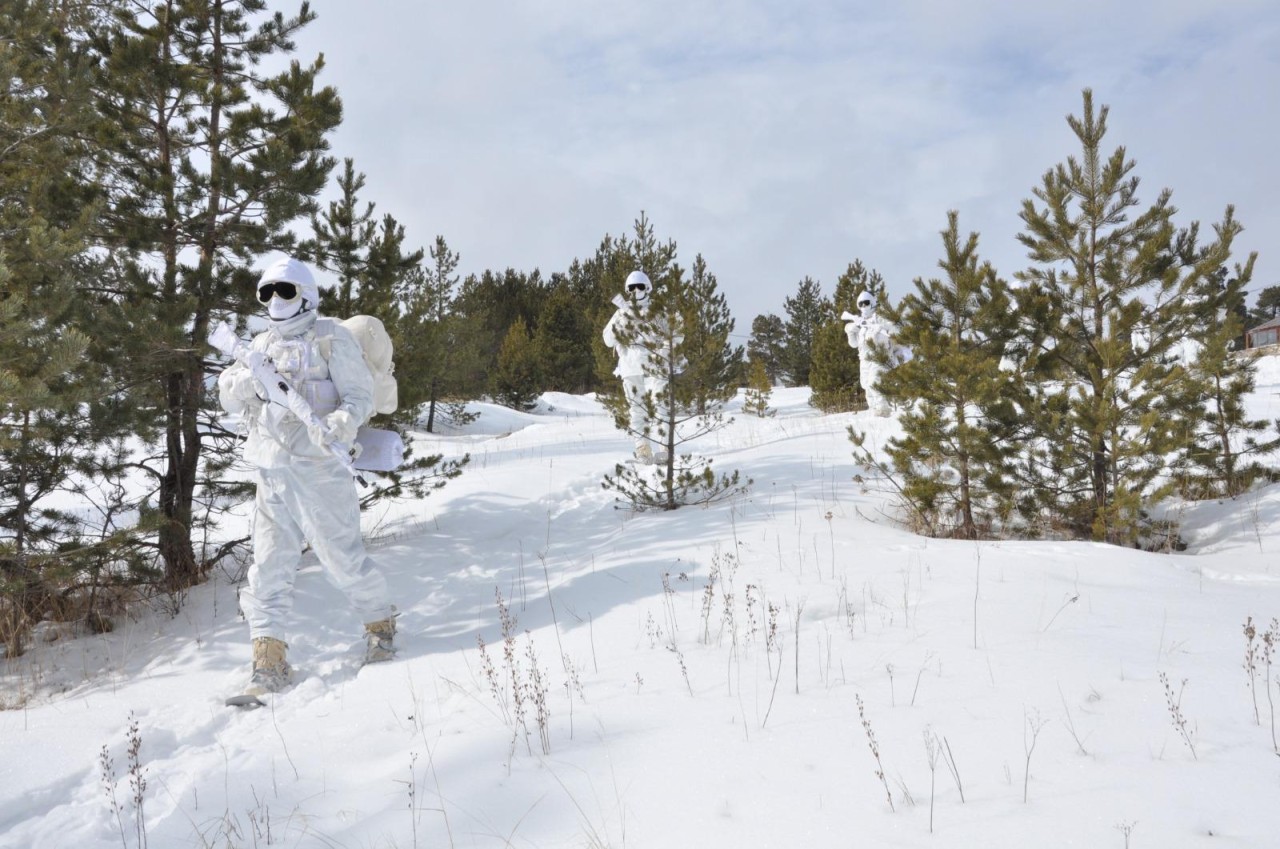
773, 671
786, 139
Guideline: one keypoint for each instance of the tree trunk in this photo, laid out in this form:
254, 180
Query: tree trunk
177, 486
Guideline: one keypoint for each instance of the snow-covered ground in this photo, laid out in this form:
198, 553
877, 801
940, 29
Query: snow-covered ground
1014, 693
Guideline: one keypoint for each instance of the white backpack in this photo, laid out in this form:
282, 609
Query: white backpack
375, 342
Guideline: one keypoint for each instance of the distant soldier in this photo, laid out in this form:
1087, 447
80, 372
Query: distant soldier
871, 328
629, 334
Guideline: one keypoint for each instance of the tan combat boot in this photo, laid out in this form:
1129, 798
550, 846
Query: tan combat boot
380, 640
270, 670
643, 453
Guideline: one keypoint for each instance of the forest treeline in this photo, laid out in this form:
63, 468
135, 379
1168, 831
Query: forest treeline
149, 164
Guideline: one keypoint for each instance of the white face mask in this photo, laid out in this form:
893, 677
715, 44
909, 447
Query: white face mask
279, 310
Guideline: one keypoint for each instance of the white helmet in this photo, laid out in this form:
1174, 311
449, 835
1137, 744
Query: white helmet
638, 285
865, 300
287, 288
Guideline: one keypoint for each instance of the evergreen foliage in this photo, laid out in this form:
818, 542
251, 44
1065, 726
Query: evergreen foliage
1266, 308
806, 312
59, 425
514, 381
690, 406
833, 372
210, 161
759, 391
712, 362
956, 454
562, 351
1105, 275
767, 345
365, 254
1223, 440
430, 350
486, 307
340, 236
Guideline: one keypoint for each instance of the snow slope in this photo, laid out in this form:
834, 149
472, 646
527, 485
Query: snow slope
1014, 691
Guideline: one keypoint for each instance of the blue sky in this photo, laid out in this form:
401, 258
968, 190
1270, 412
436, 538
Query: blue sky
784, 140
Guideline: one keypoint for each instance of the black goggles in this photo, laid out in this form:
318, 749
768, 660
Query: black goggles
637, 287
286, 290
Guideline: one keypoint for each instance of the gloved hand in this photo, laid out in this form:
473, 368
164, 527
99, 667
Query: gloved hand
240, 385
340, 427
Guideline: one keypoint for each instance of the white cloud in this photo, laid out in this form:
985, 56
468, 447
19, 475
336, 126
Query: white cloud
784, 140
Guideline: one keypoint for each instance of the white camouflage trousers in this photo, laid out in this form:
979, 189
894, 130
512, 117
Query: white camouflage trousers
315, 501
635, 388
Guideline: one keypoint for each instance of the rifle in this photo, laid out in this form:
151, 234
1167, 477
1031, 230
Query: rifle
279, 391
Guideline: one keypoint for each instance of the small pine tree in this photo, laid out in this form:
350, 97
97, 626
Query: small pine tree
954, 457
562, 343
767, 344
340, 236
807, 312
683, 479
429, 351
711, 361
515, 380
834, 372
759, 391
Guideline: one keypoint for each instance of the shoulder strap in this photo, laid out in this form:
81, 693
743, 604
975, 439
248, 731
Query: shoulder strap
324, 337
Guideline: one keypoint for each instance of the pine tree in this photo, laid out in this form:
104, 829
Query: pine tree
833, 372
211, 160
515, 379
955, 456
1223, 442
366, 255
806, 313
486, 307
1267, 307
613, 261
339, 238
386, 267
429, 350
1103, 277
767, 345
674, 416
712, 362
56, 421
562, 343
759, 391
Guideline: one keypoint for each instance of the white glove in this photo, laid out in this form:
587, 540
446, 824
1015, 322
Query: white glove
240, 385
340, 427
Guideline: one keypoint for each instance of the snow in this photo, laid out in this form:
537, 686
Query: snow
675, 719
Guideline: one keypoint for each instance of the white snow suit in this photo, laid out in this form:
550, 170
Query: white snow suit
635, 351
304, 492
870, 328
